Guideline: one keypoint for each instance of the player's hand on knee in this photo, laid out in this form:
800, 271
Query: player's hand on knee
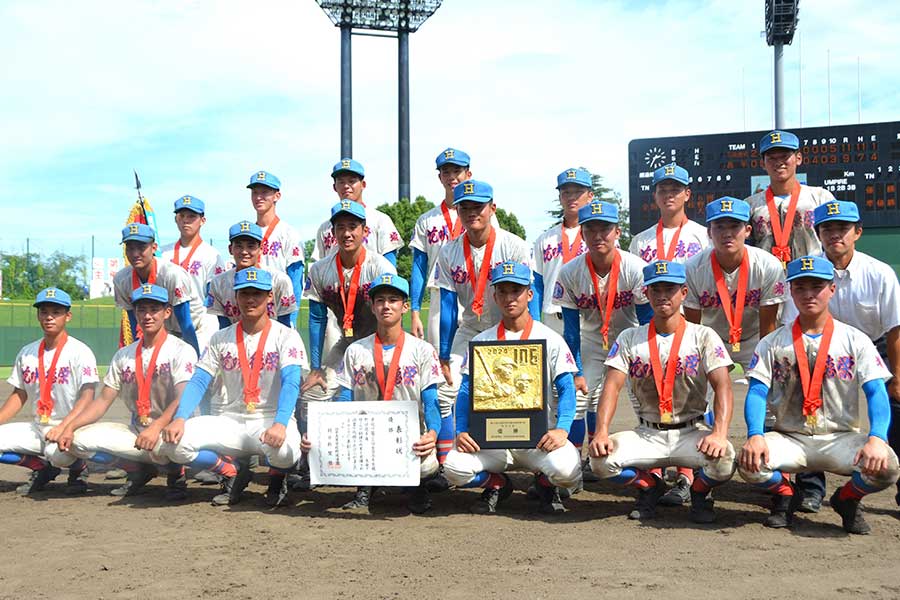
754, 454
552, 440
872, 458
426, 443
64, 441
53, 435
601, 446
445, 371
173, 432
465, 443
416, 327
274, 435
581, 384
305, 444
148, 438
713, 446
316, 377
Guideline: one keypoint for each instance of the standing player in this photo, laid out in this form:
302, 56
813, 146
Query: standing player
149, 376
58, 374
187, 307
810, 373
201, 261
390, 365
260, 363
668, 363
555, 458
245, 245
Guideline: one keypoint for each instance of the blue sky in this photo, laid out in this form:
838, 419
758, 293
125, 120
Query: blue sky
198, 95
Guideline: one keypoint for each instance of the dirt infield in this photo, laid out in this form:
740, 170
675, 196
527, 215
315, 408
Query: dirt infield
100, 547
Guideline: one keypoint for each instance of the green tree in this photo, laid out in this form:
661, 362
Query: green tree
25, 275
404, 215
607, 194
509, 222
308, 247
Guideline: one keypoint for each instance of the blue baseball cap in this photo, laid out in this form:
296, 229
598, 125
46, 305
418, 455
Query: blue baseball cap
728, 208
576, 176
53, 295
452, 156
598, 210
778, 139
671, 172
245, 229
264, 178
664, 271
514, 272
836, 210
252, 277
348, 207
190, 203
348, 165
810, 266
149, 291
137, 232
389, 280
474, 191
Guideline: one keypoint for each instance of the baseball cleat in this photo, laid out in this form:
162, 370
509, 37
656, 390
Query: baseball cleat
645, 507
113, 474
176, 485
438, 483
783, 508
491, 498
679, 494
419, 500
810, 504
361, 500
851, 514
38, 480
277, 491
233, 487
136, 482
207, 478
701, 507
551, 503
76, 484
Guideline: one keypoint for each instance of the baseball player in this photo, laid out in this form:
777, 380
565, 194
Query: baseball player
668, 363
260, 364
58, 374
809, 374
391, 365
187, 307
245, 245
464, 269
281, 248
555, 457
600, 295
149, 376
201, 261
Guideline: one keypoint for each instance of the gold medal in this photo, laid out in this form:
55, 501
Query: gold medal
251, 407
812, 420
45, 419
348, 332
736, 347
665, 417
145, 420
605, 344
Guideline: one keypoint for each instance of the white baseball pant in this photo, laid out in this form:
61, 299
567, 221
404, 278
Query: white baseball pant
562, 466
28, 438
116, 439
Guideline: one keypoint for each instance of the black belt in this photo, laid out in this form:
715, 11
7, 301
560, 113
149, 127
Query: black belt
668, 426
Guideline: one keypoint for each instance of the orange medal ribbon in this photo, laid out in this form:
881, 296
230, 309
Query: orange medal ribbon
250, 372
612, 289
479, 284
187, 261
665, 386
569, 251
454, 229
661, 253
735, 314
46, 379
812, 385
782, 234
501, 330
145, 382
348, 297
264, 245
151, 279
387, 387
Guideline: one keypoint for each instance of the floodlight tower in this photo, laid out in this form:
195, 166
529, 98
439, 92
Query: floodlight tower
398, 18
781, 23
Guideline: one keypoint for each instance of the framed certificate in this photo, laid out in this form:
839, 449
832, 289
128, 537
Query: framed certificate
508, 387
364, 443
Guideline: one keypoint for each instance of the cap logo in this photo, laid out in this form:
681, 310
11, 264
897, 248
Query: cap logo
186, 200
251, 276
670, 170
775, 137
508, 269
662, 268
448, 153
51, 294
468, 188
386, 279
596, 208
146, 289
570, 174
345, 205
261, 176
133, 228
345, 163
245, 226
833, 208
806, 264
726, 206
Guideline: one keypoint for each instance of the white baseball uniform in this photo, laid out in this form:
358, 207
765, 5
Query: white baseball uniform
222, 300
380, 237
75, 369
548, 260
283, 248
692, 240
561, 466
803, 240
646, 446
205, 264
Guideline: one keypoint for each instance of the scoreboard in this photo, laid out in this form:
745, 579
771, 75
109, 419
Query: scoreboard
859, 163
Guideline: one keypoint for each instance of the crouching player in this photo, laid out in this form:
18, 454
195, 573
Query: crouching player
149, 376
810, 373
555, 457
668, 363
259, 362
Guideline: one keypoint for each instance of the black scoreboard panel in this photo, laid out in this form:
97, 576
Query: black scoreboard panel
860, 163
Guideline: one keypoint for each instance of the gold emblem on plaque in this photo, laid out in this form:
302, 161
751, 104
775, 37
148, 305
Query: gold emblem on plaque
507, 377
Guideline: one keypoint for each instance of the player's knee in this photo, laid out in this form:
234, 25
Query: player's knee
57, 457
754, 477
721, 469
604, 468
455, 471
429, 466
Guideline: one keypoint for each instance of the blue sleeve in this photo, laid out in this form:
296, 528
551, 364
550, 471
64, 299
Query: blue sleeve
538, 288
755, 407
644, 313
419, 273
572, 335
188, 333
318, 317
132, 321
879, 408
344, 395
565, 390
449, 322
392, 257
534, 307
224, 322
295, 272
287, 397
462, 406
432, 410
193, 393
286, 320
